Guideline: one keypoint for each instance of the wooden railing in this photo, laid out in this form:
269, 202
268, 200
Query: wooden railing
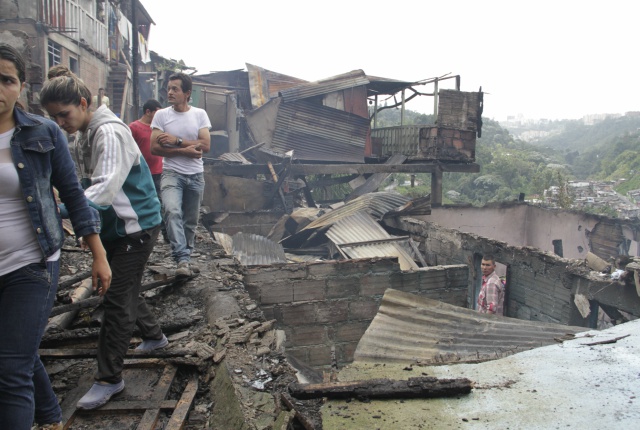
69, 18
399, 140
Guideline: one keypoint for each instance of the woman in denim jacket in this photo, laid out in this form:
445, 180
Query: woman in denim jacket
34, 158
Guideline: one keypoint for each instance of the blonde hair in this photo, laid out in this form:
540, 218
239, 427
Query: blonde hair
59, 70
66, 90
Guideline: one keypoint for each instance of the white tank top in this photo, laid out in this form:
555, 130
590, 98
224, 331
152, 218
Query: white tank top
18, 242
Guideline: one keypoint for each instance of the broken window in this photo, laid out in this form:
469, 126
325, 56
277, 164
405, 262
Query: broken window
557, 247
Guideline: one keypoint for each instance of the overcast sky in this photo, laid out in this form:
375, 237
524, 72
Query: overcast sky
557, 59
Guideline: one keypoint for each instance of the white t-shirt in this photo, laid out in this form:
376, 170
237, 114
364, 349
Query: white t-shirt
185, 125
18, 242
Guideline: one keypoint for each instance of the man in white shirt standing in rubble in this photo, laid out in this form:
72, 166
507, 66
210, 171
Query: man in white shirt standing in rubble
180, 134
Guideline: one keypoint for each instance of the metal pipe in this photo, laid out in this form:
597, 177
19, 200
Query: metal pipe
402, 110
435, 98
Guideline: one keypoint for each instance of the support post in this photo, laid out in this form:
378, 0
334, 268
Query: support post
436, 188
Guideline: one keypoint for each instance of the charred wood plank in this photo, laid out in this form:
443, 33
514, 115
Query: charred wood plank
307, 192
132, 406
361, 169
181, 410
94, 301
374, 181
74, 280
346, 169
92, 353
422, 387
327, 182
306, 422
87, 334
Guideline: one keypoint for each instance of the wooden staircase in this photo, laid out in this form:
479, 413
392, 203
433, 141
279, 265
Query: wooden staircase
119, 89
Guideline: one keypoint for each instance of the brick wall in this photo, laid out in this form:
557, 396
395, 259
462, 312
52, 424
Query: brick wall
329, 305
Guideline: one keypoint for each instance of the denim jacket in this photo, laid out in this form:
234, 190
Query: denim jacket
42, 159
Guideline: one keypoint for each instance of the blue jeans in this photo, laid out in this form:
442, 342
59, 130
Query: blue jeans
26, 298
181, 197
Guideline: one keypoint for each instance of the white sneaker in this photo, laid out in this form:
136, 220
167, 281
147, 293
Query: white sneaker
151, 345
99, 394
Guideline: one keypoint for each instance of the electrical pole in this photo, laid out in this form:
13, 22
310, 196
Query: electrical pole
134, 59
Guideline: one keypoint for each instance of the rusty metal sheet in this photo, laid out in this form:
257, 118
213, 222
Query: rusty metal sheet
361, 227
344, 81
265, 84
410, 328
319, 133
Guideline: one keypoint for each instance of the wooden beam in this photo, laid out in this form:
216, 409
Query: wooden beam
92, 353
374, 181
179, 415
436, 188
316, 169
306, 422
421, 387
334, 180
96, 300
132, 406
343, 169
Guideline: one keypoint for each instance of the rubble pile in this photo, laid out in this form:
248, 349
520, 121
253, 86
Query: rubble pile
214, 329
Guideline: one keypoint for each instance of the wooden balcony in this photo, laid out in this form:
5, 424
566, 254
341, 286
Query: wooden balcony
69, 18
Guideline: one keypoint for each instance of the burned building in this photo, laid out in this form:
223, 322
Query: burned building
94, 39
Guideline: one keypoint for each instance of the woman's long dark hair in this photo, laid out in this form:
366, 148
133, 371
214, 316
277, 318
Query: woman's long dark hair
9, 53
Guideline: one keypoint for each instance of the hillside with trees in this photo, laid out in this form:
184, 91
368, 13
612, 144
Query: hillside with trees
608, 150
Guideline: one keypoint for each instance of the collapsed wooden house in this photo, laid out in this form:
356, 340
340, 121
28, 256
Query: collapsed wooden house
278, 140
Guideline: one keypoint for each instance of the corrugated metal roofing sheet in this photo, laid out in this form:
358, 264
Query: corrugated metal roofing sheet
361, 227
320, 133
255, 250
378, 85
410, 328
234, 157
375, 204
345, 81
225, 241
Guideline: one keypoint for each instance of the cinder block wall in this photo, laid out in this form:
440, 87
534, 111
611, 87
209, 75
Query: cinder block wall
329, 305
540, 286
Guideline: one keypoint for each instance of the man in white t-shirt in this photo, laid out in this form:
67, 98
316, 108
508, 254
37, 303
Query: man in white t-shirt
180, 134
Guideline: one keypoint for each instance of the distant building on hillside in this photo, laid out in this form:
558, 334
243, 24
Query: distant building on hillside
594, 118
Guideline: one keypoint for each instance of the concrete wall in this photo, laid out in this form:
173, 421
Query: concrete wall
330, 304
541, 286
92, 70
528, 225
